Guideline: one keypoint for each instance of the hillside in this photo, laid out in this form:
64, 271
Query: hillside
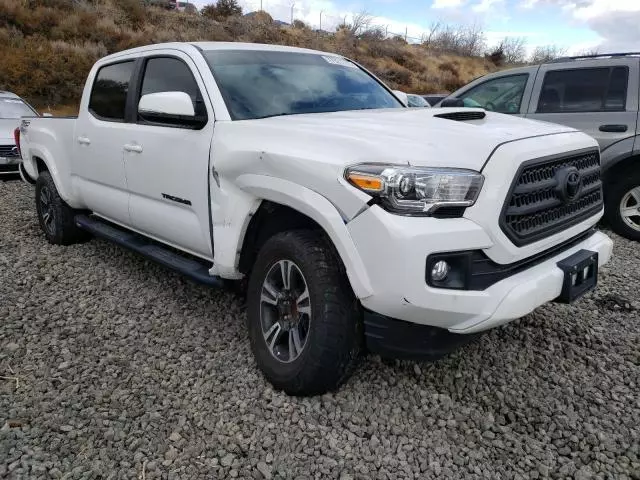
50, 45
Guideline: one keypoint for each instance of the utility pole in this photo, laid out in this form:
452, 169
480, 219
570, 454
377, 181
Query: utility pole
321, 12
406, 32
261, 5
386, 31
293, 5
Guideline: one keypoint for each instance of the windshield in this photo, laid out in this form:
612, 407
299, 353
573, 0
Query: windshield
14, 108
259, 84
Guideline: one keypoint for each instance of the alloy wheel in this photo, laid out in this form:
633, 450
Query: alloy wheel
285, 311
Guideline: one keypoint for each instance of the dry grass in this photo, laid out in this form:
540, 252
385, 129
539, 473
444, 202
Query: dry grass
50, 45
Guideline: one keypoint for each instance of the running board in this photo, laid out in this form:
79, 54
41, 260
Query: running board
196, 270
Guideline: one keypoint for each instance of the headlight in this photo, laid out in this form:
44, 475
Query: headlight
416, 190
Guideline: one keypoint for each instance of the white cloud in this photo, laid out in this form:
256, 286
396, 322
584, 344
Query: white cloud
446, 3
486, 5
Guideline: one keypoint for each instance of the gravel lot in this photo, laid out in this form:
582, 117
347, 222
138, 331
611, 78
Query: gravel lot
115, 368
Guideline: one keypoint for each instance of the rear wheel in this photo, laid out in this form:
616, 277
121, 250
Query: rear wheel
55, 216
623, 205
303, 319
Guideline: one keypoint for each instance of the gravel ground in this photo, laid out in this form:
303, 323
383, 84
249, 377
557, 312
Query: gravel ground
115, 368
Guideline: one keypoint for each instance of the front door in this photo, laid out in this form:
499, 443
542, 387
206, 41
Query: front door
98, 170
590, 97
167, 164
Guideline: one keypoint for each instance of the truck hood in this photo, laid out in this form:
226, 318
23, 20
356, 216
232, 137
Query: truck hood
414, 136
7, 126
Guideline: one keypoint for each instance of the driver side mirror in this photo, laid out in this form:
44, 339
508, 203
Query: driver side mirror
402, 97
172, 108
452, 102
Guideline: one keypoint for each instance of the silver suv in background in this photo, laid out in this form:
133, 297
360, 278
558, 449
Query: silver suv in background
597, 94
12, 109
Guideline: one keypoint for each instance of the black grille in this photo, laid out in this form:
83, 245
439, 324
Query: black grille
538, 206
462, 116
8, 151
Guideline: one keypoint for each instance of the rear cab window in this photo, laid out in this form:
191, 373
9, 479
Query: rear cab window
584, 90
108, 99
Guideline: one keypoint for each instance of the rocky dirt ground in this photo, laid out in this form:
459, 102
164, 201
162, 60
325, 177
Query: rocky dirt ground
115, 368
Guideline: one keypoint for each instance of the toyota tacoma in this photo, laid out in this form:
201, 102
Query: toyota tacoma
354, 222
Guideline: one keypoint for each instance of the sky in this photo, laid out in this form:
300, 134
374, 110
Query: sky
575, 25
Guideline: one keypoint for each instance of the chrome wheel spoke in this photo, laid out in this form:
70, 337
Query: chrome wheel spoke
295, 344
303, 303
269, 294
635, 194
285, 270
630, 212
273, 335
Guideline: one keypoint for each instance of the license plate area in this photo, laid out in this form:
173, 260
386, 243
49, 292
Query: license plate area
580, 275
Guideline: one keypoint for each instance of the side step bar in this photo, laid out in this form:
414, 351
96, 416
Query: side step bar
196, 270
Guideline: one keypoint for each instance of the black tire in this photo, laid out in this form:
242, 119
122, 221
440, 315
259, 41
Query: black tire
334, 337
615, 193
55, 216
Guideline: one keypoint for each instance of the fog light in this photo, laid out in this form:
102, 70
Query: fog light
440, 271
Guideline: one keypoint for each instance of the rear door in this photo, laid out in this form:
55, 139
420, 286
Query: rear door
101, 129
167, 164
589, 95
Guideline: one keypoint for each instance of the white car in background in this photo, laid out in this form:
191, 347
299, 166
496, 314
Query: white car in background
12, 109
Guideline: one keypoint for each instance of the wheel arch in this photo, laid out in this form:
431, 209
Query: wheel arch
285, 206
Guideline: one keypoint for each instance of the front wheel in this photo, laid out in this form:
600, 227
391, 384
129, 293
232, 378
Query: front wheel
303, 319
623, 206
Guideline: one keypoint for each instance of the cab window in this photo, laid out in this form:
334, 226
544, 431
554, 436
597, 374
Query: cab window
502, 95
584, 90
168, 74
108, 99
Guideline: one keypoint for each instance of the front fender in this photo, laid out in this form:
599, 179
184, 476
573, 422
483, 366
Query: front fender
318, 208
618, 152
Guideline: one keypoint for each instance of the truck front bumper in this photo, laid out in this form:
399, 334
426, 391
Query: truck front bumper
394, 250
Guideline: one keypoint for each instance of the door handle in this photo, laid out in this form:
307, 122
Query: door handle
133, 148
614, 128
84, 141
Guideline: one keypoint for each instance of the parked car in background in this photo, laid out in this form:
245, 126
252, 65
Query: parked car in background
434, 98
12, 109
417, 101
354, 220
597, 94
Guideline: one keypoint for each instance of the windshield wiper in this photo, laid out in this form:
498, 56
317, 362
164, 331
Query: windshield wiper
281, 114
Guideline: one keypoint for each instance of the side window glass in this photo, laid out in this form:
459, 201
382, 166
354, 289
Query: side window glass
503, 95
584, 90
109, 92
617, 95
165, 74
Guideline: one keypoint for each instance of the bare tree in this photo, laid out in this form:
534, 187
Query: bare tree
514, 49
547, 53
465, 40
588, 52
428, 38
361, 22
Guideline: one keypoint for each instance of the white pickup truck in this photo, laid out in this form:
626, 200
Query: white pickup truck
356, 222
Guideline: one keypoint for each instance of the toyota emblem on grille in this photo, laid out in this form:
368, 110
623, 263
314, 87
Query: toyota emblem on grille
14, 151
569, 183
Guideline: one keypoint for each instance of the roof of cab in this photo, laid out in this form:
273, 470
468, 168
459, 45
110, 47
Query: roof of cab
216, 46
8, 94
